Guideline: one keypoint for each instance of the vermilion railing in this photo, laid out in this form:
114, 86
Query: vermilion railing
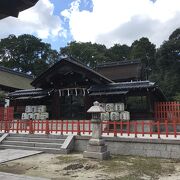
6, 113
84, 127
163, 126
169, 111
6, 116
1, 113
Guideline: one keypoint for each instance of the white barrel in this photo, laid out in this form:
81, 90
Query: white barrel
30, 115
44, 116
24, 116
34, 109
118, 107
103, 105
36, 116
42, 109
28, 109
125, 116
105, 116
114, 116
110, 107
7, 102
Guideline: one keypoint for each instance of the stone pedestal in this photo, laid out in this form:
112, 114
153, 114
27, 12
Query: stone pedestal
96, 150
96, 147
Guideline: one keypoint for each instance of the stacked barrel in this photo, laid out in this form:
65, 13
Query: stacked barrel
114, 112
35, 113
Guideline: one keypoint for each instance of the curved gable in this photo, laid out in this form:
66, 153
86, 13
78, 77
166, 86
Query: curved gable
66, 72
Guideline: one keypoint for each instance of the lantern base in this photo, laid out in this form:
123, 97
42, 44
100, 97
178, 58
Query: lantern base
96, 151
96, 142
97, 155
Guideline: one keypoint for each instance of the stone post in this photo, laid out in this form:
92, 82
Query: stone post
96, 147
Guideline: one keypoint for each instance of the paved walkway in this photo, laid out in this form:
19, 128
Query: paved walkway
8, 176
12, 154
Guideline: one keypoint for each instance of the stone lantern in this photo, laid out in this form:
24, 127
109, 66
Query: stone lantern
96, 147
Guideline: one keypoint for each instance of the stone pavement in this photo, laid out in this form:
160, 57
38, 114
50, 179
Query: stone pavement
12, 154
8, 176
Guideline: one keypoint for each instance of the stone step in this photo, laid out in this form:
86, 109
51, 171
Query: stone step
29, 139
47, 150
32, 144
53, 136
40, 142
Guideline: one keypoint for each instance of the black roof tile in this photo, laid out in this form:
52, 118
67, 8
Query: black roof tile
30, 92
122, 86
118, 63
5, 69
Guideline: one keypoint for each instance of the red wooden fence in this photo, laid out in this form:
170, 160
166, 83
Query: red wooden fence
167, 124
169, 111
84, 127
6, 114
1, 113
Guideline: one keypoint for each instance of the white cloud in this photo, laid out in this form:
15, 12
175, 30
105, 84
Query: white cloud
38, 20
123, 21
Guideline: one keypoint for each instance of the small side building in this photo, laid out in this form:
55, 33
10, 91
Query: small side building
138, 96
11, 80
122, 71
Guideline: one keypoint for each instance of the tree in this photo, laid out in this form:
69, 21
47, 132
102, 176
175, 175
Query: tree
145, 51
168, 65
119, 52
26, 53
175, 35
88, 53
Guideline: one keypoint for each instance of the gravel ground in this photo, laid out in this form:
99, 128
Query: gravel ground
75, 167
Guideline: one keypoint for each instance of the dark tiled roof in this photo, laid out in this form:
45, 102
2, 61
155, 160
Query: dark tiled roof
118, 63
5, 69
15, 80
30, 92
13, 7
127, 87
122, 86
108, 93
72, 63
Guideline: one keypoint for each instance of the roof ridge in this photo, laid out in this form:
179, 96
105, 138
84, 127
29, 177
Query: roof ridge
9, 70
71, 59
27, 90
73, 62
134, 82
119, 63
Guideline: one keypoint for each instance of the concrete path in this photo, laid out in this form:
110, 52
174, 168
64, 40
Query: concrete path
8, 176
12, 154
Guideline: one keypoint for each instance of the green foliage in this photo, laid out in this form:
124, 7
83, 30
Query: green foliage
93, 54
144, 50
167, 70
175, 35
119, 52
26, 53
88, 53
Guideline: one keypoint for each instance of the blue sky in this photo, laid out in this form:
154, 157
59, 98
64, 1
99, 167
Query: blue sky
59, 6
105, 22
